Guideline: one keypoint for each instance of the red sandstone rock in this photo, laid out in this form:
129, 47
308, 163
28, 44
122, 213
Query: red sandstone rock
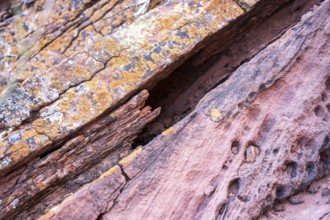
256, 139
249, 149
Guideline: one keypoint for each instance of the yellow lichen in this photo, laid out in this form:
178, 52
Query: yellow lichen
108, 173
168, 131
216, 114
28, 133
19, 151
48, 214
127, 160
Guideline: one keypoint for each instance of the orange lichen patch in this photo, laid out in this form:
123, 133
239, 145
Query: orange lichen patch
44, 126
41, 63
104, 49
119, 62
4, 145
63, 41
20, 150
122, 14
20, 144
32, 30
80, 67
75, 107
103, 10
28, 133
44, 88
85, 37
168, 132
127, 160
57, 28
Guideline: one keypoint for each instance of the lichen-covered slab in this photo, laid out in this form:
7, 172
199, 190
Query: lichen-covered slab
21, 99
104, 139
132, 61
44, 32
254, 140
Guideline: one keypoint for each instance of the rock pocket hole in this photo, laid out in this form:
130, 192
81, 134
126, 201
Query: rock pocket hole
291, 168
233, 188
235, 147
281, 192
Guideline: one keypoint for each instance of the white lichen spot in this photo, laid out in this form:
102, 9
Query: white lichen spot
82, 89
50, 110
56, 117
168, 60
143, 6
5, 162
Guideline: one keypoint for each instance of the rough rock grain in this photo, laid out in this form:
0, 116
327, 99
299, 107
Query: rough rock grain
145, 57
270, 105
75, 104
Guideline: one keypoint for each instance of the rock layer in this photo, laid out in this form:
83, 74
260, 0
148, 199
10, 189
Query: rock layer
98, 89
254, 140
67, 130
44, 32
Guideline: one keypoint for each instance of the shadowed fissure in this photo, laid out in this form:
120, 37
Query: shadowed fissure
178, 94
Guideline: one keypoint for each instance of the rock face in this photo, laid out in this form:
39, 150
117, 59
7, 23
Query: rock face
74, 101
46, 32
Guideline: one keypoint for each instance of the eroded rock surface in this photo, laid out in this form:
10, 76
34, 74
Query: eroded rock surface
44, 118
40, 34
311, 203
123, 73
69, 121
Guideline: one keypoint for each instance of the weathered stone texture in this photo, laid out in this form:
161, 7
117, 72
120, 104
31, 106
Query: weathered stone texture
108, 135
276, 109
77, 71
95, 90
44, 33
314, 203
254, 140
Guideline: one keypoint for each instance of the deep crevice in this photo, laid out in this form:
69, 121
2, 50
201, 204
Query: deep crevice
179, 93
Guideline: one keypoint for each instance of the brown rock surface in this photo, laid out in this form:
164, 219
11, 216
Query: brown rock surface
75, 141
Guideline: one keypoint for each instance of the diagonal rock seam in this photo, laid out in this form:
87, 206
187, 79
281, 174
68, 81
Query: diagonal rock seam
266, 85
47, 161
